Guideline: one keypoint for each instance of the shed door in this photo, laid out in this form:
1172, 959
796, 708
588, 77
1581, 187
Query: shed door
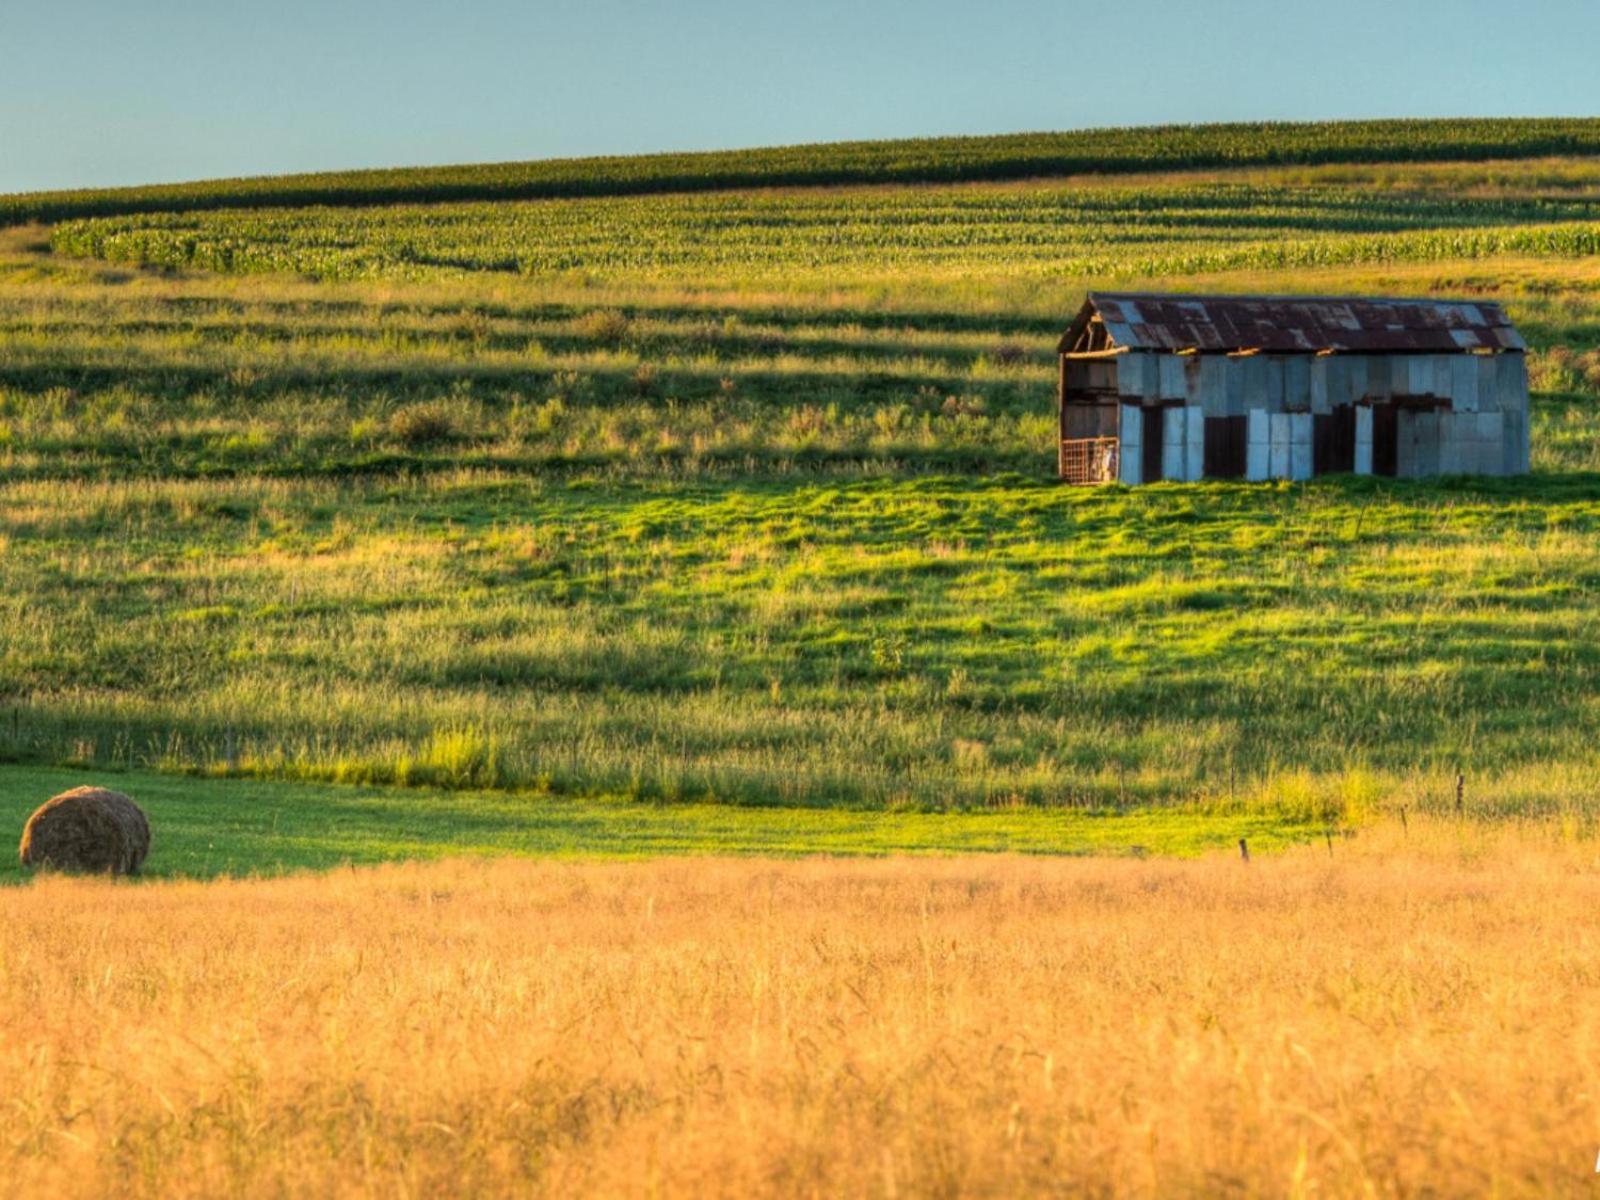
1385, 440
1155, 423
1225, 454
1334, 441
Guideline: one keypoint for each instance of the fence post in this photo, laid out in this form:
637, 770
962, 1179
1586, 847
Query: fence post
1244, 850
1461, 793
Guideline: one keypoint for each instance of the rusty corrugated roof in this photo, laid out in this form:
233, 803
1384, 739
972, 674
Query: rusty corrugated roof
1298, 324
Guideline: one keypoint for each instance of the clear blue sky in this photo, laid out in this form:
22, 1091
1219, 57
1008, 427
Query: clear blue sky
127, 91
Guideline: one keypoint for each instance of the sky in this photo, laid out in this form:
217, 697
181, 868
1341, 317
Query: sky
103, 92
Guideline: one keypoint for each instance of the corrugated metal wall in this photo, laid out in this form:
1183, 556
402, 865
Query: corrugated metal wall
1477, 422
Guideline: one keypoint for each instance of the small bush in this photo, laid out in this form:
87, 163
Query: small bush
888, 653
474, 326
644, 379
421, 425
604, 325
549, 416
567, 386
807, 421
1009, 354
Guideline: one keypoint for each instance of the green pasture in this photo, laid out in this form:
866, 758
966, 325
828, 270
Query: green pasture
207, 828
726, 519
935, 643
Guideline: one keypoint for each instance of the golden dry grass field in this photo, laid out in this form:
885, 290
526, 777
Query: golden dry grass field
1404, 1015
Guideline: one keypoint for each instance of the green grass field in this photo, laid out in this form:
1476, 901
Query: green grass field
592, 515
205, 828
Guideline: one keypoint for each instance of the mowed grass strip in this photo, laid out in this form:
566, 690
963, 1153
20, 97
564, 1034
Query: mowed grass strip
205, 828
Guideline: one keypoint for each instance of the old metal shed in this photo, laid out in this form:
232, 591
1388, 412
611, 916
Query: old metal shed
1286, 387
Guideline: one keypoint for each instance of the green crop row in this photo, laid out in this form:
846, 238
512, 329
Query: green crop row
925, 160
1100, 232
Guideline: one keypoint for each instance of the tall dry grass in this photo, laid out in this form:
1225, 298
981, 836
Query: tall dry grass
1407, 1017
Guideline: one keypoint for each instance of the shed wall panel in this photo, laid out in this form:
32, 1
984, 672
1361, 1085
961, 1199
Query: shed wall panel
1275, 388
1363, 440
1405, 448
1491, 441
1425, 429
1278, 445
1355, 377
1131, 379
1171, 377
1300, 448
1419, 376
1258, 445
1130, 458
1488, 371
1213, 386
1297, 384
1173, 450
1464, 384
1194, 438
1457, 447
1255, 381
1443, 366
1233, 375
1512, 383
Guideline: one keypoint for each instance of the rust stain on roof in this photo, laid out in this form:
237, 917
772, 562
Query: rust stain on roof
1298, 324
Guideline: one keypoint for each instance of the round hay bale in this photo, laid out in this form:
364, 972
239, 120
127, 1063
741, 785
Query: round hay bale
88, 829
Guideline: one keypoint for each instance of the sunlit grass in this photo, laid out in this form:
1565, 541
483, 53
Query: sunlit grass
1408, 1012
207, 828
719, 538
818, 644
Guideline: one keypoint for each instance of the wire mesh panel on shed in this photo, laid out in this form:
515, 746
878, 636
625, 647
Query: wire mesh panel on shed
1090, 460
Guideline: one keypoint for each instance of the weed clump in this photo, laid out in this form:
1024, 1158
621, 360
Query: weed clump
421, 425
1009, 354
645, 377
605, 325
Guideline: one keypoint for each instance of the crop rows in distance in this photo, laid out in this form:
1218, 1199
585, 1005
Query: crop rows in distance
1056, 230
926, 160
